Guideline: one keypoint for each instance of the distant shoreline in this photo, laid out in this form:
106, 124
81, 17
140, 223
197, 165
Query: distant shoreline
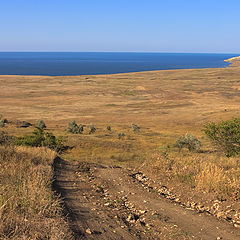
233, 59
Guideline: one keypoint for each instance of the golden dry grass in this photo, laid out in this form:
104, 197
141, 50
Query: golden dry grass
28, 207
206, 172
163, 100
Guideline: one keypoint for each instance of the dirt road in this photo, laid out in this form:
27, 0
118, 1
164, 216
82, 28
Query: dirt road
108, 202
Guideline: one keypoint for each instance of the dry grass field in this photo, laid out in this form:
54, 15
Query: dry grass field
172, 100
165, 104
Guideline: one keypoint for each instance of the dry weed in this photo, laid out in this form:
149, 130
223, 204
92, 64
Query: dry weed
28, 207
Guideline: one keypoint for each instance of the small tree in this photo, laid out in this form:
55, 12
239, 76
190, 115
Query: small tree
225, 135
41, 124
189, 141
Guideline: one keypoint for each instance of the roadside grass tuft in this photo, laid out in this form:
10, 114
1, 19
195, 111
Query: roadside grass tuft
28, 207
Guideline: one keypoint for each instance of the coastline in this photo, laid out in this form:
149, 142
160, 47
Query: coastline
233, 59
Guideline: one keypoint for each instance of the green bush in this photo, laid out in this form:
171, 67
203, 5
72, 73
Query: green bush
225, 135
189, 141
41, 124
40, 138
74, 128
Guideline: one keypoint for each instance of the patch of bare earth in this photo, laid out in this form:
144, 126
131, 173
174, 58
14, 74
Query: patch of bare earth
109, 202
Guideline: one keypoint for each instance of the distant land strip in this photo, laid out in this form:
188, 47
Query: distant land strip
233, 59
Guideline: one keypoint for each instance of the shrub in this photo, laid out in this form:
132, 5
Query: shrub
135, 127
121, 135
2, 124
3, 121
92, 129
109, 128
5, 139
189, 141
74, 128
225, 135
41, 124
40, 138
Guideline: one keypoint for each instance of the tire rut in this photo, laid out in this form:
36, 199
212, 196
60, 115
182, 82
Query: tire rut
89, 217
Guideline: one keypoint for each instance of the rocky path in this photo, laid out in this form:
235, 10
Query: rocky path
108, 202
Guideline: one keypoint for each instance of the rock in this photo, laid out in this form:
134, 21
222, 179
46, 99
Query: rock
220, 214
142, 211
236, 225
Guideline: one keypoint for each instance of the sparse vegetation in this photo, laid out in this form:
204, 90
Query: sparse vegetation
5, 139
135, 127
189, 141
41, 138
73, 127
225, 135
2, 124
2, 121
92, 129
121, 135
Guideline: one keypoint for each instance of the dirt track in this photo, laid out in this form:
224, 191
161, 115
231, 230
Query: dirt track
108, 202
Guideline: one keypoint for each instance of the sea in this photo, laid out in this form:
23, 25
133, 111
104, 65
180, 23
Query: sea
92, 63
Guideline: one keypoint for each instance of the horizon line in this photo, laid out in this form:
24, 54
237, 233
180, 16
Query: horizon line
117, 52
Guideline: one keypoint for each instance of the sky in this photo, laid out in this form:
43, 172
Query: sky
120, 25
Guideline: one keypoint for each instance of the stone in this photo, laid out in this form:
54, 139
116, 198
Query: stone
88, 231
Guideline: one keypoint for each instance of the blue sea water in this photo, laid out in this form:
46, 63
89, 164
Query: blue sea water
88, 63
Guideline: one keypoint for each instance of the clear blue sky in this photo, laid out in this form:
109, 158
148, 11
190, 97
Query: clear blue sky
120, 25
